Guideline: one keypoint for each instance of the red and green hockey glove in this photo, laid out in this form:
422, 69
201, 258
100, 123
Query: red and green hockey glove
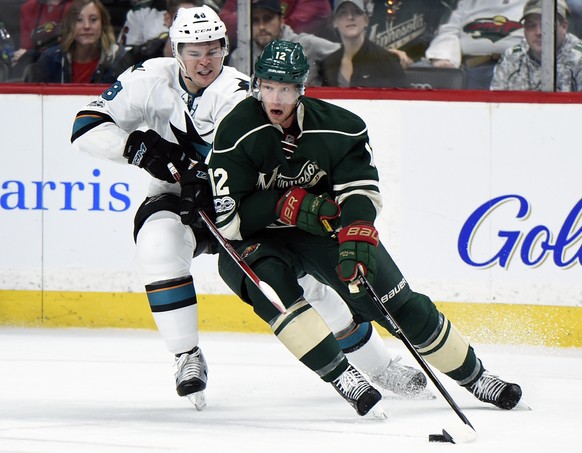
357, 248
311, 213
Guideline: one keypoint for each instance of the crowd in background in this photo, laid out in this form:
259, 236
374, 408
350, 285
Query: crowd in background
493, 44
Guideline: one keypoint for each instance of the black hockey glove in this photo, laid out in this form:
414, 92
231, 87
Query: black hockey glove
315, 214
151, 152
196, 195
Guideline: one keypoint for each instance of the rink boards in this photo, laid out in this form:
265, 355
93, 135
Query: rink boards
482, 211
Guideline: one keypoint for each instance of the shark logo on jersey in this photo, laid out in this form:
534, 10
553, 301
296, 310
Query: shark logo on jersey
243, 85
138, 67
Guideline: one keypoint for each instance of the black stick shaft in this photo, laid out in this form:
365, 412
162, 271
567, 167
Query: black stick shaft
372, 293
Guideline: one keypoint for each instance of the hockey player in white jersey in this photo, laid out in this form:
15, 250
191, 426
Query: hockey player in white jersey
165, 110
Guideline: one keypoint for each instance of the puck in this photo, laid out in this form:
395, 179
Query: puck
444, 437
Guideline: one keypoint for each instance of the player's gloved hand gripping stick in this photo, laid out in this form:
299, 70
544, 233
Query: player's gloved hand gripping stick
359, 260
307, 212
151, 152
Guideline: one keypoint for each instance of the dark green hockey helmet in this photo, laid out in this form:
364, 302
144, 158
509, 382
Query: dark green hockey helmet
283, 61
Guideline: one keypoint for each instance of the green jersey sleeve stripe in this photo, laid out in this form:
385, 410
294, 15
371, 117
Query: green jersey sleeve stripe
252, 131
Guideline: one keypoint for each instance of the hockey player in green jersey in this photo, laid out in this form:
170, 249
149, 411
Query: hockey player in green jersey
285, 168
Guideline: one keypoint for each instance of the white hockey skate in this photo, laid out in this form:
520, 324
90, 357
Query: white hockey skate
404, 381
191, 377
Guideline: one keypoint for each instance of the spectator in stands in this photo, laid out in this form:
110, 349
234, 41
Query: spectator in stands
359, 62
160, 46
303, 16
40, 23
406, 27
268, 24
475, 36
143, 22
520, 67
40, 28
87, 53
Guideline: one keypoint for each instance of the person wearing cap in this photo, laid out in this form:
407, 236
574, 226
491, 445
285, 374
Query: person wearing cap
520, 67
297, 192
359, 62
475, 36
268, 24
303, 16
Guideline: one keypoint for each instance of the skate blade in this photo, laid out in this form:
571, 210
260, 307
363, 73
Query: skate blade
522, 406
379, 413
198, 399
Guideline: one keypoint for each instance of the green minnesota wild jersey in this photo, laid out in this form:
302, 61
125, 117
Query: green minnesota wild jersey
254, 162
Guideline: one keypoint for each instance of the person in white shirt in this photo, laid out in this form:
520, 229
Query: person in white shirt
475, 36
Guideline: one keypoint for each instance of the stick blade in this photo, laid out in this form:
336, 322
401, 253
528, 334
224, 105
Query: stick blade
461, 434
456, 435
444, 437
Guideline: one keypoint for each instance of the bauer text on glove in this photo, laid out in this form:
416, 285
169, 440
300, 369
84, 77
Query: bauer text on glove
357, 247
151, 152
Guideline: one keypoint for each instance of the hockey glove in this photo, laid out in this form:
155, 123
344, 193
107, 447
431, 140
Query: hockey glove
151, 152
357, 248
196, 195
307, 212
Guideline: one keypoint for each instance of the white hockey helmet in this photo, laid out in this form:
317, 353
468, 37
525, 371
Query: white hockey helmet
196, 25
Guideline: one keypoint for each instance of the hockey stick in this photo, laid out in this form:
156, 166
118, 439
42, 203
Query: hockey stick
265, 288
469, 434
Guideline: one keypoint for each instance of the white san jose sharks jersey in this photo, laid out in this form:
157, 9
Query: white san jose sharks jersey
152, 95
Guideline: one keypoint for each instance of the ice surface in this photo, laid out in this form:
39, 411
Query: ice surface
81, 390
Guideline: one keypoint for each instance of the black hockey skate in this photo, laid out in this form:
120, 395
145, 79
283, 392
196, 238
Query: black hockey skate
356, 390
490, 389
191, 376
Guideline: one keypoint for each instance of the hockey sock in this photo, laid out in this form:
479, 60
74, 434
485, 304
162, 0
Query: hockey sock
175, 311
307, 337
438, 340
364, 348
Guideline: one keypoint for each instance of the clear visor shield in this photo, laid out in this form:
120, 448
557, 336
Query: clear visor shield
201, 52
